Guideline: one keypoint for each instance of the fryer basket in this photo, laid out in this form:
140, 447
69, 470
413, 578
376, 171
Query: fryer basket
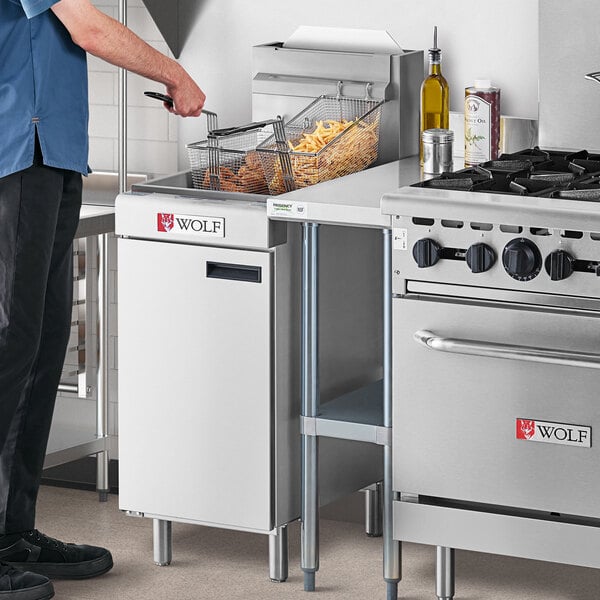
228, 160
352, 150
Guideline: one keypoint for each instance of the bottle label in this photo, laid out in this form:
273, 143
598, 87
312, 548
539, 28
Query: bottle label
478, 130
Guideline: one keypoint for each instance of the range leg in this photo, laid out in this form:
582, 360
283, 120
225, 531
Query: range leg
374, 510
392, 549
278, 555
310, 406
163, 542
444, 575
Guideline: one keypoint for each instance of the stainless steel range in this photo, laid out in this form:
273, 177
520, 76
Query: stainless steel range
496, 351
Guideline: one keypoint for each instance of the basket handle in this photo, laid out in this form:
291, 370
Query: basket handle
212, 121
242, 128
284, 155
368, 91
211, 117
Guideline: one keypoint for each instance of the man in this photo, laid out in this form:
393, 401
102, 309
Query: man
43, 124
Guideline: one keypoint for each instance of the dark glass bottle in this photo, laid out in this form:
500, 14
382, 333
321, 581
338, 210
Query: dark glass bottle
435, 93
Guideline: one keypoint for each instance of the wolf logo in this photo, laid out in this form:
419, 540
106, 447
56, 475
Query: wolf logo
166, 221
527, 428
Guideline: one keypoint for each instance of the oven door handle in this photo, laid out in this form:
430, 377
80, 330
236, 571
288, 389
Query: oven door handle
507, 351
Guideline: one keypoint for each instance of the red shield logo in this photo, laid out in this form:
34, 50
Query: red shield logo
165, 221
525, 429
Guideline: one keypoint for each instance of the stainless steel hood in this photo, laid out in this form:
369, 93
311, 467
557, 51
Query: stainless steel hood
174, 19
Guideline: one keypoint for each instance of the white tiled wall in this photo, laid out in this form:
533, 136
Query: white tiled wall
152, 131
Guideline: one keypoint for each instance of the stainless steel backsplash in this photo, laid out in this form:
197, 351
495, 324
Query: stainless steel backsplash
569, 115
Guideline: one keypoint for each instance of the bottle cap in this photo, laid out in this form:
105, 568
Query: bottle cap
483, 84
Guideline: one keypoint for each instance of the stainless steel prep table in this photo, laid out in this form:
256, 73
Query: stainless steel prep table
353, 200
68, 443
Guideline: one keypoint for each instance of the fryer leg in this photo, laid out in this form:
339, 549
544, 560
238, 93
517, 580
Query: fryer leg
102, 476
444, 580
163, 546
278, 555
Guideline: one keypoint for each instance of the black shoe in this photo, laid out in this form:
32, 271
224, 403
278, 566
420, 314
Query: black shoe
33, 551
19, 585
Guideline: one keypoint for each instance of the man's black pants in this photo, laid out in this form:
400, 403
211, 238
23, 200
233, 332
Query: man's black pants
39, 212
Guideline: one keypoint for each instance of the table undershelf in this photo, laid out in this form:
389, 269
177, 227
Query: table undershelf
357, 416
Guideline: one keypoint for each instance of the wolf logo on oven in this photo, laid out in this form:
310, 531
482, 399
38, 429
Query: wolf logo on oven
166, 221
527, 428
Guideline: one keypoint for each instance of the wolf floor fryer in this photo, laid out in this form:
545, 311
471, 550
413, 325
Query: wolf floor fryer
209, 328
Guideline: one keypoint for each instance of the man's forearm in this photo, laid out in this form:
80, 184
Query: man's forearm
102, 36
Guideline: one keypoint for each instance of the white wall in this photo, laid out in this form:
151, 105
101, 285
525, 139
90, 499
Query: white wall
485, 39
479, 40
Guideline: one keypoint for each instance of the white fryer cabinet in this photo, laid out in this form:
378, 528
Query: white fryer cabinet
209, 358
200, 410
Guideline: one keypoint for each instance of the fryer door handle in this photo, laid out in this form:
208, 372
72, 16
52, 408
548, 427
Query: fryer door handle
507, 351
233, 272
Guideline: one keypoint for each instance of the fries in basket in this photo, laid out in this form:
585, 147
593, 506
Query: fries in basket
352, 152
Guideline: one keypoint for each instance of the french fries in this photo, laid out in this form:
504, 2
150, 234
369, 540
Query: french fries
312, 162
324, 133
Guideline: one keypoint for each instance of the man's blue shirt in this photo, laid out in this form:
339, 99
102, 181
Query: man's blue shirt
43, 85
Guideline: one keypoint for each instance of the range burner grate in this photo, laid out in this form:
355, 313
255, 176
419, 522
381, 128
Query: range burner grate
531, 172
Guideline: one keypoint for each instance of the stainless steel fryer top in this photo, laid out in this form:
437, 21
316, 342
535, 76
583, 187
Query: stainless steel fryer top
181, 184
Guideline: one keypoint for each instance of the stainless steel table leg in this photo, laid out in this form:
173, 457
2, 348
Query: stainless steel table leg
310, 405
163, 544
278, 555
392, 549
373, 510
444, 575
102, 458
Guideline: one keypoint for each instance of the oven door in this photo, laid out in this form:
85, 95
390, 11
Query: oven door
469, 380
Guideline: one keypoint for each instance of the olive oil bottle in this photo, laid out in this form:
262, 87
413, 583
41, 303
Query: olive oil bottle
434, 96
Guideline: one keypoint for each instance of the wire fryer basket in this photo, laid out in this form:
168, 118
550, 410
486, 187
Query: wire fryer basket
353, 149
229, 161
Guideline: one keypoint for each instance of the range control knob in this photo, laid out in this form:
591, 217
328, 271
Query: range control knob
522, 259
426, 252
559, 265
480, 258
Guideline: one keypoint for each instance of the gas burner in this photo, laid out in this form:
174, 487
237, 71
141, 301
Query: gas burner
531, 172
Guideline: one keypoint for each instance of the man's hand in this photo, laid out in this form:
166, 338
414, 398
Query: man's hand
188, 98
102, 36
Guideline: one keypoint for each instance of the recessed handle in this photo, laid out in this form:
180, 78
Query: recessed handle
233, 272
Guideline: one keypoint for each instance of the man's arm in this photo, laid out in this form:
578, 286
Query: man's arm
102, 36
